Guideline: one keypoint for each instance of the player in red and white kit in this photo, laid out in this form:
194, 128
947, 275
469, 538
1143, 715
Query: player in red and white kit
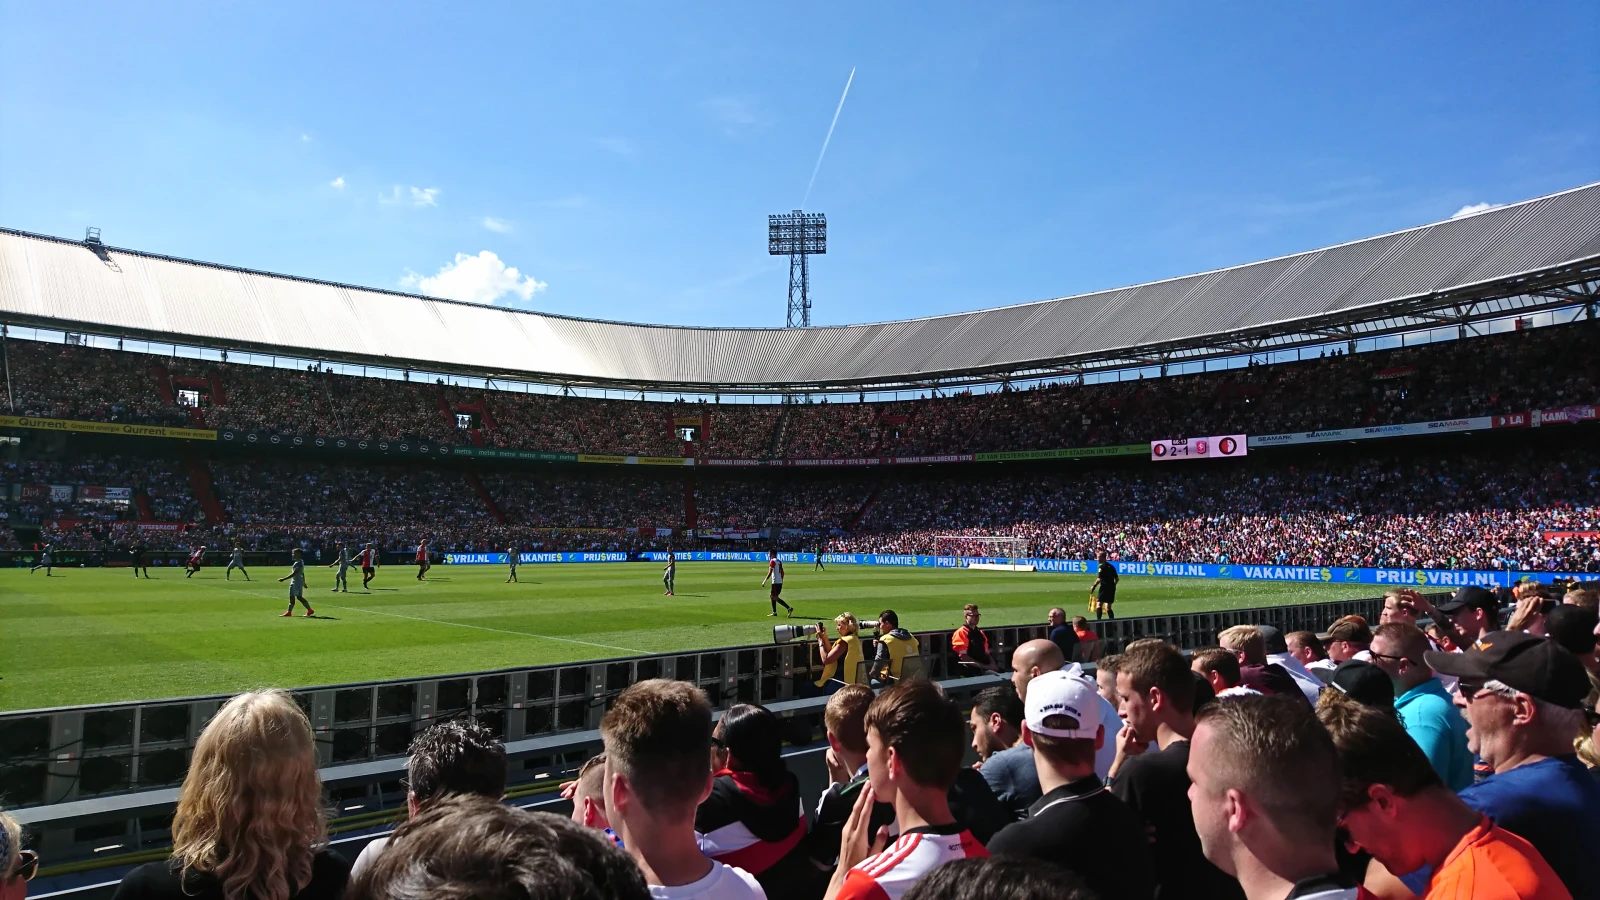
369, 565
910, 727
422, 560
775, 577
194, 561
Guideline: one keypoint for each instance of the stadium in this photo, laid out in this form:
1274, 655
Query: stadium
1276, 443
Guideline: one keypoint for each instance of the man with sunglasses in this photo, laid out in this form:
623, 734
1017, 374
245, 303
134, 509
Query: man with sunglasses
1524, 702
1425, 707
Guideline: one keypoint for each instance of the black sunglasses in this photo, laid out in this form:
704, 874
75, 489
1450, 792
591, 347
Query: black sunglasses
27, 865
1592, 717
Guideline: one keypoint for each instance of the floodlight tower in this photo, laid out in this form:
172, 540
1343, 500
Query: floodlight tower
798, 235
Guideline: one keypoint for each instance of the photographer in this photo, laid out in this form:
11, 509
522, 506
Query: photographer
894, 645
845, 651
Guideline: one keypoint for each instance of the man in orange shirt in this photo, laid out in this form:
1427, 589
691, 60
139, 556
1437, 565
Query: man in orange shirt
1395, 807
970, 644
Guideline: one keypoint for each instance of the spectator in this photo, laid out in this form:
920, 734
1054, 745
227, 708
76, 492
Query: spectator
1469, 614
1306, 648
999, 878
1523, 698
845, 721
970, 644
455, 757
249, 821
1220, 668
472, 846
1394, 806
753, 819
1249, 645
1398, 606
1347, 639
657, 737
588, 797
1573, 628
1036, 657
1156, 693
1265, 794
1062, 635
1077, 821
1105, 678
17, 866
1032, 659
1080, 627
1425, 707
894, 645
1278, 654
1364, 683
1006, 764
914, 750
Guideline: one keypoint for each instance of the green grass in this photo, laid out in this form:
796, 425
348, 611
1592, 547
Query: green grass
99, 635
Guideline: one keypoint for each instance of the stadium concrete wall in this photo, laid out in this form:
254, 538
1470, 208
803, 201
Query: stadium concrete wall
1413, 578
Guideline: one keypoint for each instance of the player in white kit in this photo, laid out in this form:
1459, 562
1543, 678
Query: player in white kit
341, 562
513, 556
236, 561
669, 575
297, 584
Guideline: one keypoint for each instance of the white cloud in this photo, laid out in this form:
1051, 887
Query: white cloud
337, 184
476, 279
417, 196
498, 226
1473, 209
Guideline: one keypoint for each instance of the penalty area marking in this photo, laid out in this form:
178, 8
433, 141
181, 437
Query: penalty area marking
548, 637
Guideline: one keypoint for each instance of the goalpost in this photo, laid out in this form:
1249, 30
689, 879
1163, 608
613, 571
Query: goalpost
1003, 549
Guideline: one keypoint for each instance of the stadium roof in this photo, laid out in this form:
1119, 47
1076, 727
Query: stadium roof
1543, 252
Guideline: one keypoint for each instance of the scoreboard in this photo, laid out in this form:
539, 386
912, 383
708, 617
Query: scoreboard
1214, 447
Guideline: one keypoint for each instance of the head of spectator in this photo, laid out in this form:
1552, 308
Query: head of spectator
1218, 666
996, 720
1246, 642
888, 621
249, 813
970, 615
1474, 611
1105, 676
470, 846
1062, 725
914, 748
1058, 617
1348, 637
749, 739
1364, 683
1155, 692
1398, 649
845, 721
1081, 626
1265, 790
1587, 598
455, 757
1032, 659
1398, 607
1273, 639
588, 796
657, 738
1574, 628
1523, 697
1305, 646
17, 866
999, 878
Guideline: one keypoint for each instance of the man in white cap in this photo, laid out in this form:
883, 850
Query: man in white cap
1035, 658
1078, 823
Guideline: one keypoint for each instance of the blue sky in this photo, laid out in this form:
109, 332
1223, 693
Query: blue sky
623, 158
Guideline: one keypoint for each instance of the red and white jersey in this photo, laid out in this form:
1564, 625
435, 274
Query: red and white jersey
891, 873
775, 570
194, 555
422, 553
367, 557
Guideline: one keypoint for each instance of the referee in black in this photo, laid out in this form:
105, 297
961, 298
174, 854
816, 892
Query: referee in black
1104, 589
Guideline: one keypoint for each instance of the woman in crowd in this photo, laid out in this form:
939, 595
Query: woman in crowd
753, 819
17, 866
844, 653
249, 824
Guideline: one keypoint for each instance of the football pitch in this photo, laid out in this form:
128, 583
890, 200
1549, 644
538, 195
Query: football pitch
100, 635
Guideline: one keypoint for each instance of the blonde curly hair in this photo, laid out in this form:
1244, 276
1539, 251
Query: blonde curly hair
250, 812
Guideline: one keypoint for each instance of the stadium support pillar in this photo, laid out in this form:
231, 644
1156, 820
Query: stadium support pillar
691, 516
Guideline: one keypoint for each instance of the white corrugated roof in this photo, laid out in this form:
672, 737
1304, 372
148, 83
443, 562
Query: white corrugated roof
56, 283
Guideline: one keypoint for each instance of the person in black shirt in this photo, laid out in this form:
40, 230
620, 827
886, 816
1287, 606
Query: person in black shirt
970, 644
1155, 692
1104, 589
1062, 633
137, 560
1077, 823
1266, 796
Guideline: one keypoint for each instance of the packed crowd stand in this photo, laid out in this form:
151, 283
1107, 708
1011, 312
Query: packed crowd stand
1507, 373
1375, 760
1457, 510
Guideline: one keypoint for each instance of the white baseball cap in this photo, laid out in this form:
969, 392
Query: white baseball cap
1063, 694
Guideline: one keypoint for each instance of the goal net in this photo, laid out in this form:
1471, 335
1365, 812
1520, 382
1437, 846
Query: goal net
999, 552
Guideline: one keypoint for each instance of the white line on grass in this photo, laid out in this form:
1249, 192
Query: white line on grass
548, 637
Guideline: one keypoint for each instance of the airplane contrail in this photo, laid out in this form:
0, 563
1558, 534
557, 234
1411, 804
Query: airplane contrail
818, 167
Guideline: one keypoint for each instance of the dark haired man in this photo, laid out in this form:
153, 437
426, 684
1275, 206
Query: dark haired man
455, 757
914, 750
1265, 791
775, 578
970, 644
1077, 822
1006, 764
1469, 614
1156, 689
894, 645
472, 846
1393, 805
657, 737
1104, 590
